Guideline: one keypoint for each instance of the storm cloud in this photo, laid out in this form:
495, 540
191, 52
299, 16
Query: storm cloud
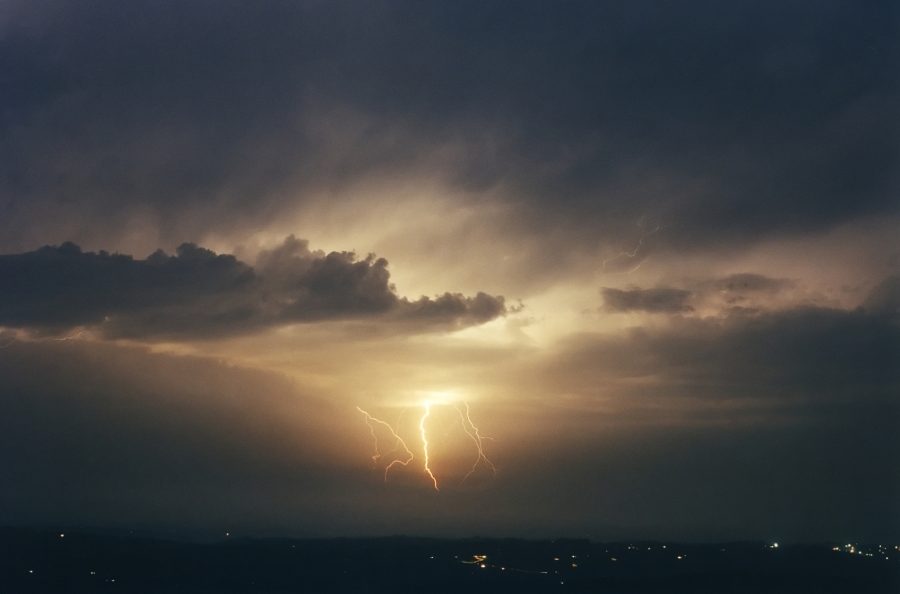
744, 426
95, 431
588, 116
744, 292
812, 357
695, 202
198, 293
649, 300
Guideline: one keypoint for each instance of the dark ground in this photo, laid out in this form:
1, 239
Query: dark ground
86, 561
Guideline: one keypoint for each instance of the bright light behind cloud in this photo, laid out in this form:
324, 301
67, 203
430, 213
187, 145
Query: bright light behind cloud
619, 279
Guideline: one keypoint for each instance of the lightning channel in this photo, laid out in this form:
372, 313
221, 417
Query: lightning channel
471, 430
477, 438
371, 422
12, 340
630, 255
75, 335
17, 336
426, 406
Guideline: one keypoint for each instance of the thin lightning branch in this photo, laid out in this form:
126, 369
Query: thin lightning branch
427, 407
478, 439
635, 269
371, 422
470, 429
73, 336
13, 337
633, 253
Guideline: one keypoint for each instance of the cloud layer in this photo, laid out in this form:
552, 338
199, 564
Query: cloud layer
710, 119
697, 201
742, 427
197, 293
649, 300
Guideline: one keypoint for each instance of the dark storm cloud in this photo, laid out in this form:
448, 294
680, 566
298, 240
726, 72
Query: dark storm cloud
650, 300
198, 293
101, 435
817, 357
94, 433
734, 291
885, 298
767, 424
645, 125
725, 121
748, 282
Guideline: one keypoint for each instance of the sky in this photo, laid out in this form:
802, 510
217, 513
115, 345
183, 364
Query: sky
597, 269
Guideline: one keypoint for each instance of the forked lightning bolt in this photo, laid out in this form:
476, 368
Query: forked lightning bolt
630, 255
470, 429
371, 422
12, 340
15, 336
478, 439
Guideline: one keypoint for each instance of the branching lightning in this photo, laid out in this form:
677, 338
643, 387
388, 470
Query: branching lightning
634, 253
478, 439
18, 335
371, 422
12, 340
468, 427
75, 335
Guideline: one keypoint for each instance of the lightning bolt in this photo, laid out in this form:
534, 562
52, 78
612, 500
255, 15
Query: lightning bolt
371, 422
422, 433
16, 335
13, 335
78, 333
634, 252
468, 426
478, 439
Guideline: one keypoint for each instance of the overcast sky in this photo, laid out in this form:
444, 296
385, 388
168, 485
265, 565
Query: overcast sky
652, 246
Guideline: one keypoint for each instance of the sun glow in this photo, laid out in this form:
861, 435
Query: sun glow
401, 454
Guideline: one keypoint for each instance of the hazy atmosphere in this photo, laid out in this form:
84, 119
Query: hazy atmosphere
592, 269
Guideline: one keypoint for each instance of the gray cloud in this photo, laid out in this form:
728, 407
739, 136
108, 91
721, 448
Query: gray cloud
99, 434
660, 300
638, 127
738, 427
744, 292
198, 293
790, 416
885, 298
725, 122
748, 282
807, 355
772, 421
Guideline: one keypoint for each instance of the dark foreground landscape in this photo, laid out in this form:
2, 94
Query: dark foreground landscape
81, 561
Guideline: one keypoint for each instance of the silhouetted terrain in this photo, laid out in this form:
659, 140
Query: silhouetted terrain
44, 561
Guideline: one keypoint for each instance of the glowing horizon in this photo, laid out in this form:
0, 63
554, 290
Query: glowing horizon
468, 427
